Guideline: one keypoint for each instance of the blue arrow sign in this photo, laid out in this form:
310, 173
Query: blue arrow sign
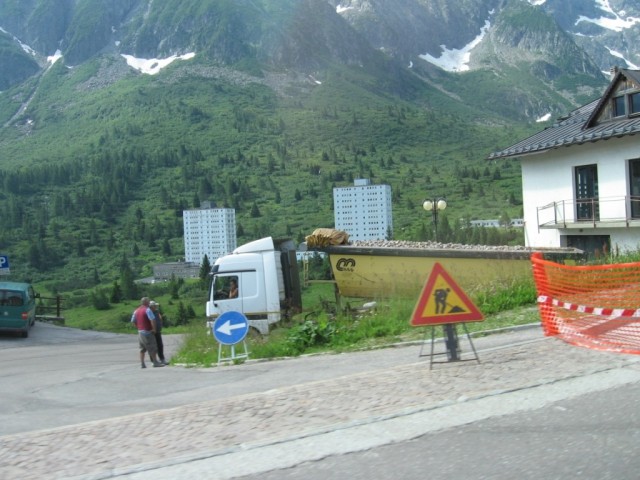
230, 328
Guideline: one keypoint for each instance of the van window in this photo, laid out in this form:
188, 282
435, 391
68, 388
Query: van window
11, 297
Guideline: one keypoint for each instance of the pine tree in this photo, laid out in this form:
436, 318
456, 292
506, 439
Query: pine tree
205, 269
99, 300
116, 293
166, 248
255, 211
183, 315
128, 286
174, 288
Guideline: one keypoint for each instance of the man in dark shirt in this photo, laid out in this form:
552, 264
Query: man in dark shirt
159, 321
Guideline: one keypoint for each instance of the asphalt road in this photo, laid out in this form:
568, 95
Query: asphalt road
534, 408
63, 376
591, 437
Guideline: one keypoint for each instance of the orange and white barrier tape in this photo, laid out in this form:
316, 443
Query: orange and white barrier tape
606, 312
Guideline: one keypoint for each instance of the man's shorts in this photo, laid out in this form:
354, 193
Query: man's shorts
147, 342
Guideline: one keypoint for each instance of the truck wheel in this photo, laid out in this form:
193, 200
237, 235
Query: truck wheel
24, 334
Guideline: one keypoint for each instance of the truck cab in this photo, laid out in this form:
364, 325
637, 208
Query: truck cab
258, 279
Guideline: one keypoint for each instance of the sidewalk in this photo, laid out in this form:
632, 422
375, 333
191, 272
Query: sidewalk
202, 432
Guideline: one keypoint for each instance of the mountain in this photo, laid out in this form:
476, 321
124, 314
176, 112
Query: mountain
552, 46
605, 30
115, 116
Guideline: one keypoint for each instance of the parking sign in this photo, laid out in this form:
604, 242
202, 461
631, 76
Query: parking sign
4, 265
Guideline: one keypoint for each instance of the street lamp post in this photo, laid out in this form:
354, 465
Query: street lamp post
434, 206
451, 335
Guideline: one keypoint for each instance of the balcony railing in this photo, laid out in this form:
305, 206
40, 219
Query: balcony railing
619, 211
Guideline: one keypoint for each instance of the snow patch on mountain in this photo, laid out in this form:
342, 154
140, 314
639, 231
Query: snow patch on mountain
618, 23
620, 55
152, 66
24, 47
457, 60
55, 57
543, 118
340, 9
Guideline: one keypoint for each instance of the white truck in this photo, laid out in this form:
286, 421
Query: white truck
265, 273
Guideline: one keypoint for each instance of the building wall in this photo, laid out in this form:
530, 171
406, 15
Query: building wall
495, 223
210, 232
549, 177
364, 210
165, 271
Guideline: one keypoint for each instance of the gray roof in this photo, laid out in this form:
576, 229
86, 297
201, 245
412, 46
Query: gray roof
576, 128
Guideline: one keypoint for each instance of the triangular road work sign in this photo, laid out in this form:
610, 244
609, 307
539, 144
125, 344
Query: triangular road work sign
443, 301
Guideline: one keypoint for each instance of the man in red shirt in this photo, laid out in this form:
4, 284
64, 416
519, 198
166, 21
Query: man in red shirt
145, 321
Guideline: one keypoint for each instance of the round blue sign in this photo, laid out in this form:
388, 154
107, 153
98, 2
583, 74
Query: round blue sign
230, 328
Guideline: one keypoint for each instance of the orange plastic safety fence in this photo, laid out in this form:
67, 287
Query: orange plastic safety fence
591, 306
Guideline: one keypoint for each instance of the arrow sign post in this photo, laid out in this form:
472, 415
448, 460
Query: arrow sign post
229, 329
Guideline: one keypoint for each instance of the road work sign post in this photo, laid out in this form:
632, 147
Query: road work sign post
442, 302
229, 329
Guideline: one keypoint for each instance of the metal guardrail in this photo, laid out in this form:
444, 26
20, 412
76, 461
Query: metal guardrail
584, 211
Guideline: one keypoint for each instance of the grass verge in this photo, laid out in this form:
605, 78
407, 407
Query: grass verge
317, 331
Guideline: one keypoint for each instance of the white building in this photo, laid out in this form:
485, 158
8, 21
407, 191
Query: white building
363, 210
495, 223
581, 176
166, 271
208, 231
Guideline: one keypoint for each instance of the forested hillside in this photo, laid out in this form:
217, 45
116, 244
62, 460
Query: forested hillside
90, 192
259, 106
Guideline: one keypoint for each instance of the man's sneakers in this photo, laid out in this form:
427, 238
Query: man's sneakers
160, 363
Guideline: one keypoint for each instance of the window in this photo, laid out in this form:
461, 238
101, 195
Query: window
586, 189
594, 245
634, 100
12, 298
624, 101
634, 187
619, 109
225, 287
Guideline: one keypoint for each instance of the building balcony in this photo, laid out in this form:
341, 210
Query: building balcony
600, 212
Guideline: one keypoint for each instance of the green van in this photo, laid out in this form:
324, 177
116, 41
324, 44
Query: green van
17, 307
